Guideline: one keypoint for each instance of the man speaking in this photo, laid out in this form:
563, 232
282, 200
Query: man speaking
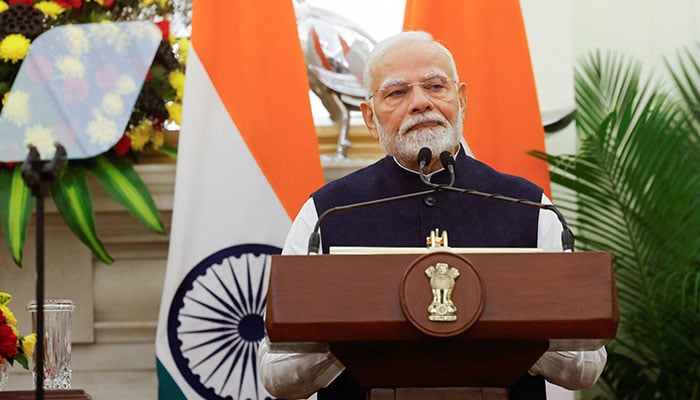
415, 106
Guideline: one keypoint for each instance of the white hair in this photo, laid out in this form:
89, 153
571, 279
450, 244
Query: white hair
397, 40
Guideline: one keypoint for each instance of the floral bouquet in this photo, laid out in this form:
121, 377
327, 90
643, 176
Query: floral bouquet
13, 346
156, 114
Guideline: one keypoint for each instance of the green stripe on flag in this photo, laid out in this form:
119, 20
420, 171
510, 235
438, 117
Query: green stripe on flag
167, 388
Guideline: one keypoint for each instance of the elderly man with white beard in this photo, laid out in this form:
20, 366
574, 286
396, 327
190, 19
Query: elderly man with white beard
414, 99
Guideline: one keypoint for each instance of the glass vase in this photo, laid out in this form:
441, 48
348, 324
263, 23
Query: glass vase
4, 373
57, 342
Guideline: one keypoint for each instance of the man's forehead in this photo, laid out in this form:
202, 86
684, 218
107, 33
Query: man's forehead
418, 59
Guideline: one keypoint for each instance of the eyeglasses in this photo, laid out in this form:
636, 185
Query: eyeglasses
394, 94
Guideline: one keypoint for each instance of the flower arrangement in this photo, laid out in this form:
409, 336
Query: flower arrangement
13, 346
157, 108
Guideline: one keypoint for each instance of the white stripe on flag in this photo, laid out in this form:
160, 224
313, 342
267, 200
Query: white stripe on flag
224, 213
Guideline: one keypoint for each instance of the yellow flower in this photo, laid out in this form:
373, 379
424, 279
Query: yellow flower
71, 66
5, 298
14, 47
161, 3
27, 343
49, 8
3, 6
16, 107
140, 135
183, 46
157, 139
174, 111
41, 137
9, 317
177, 81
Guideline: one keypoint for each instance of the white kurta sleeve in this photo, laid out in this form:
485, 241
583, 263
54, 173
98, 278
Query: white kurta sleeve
286, 373
293, 375
573, 370
298, 237
548, 229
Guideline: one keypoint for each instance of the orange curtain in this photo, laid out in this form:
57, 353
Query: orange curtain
489, 44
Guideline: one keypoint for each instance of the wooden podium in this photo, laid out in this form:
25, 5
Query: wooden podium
372, 310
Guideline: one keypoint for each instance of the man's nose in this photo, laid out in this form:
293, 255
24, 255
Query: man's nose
419, 100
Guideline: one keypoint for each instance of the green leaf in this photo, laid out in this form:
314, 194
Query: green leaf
169, 151
16, 207
71, 195
637, 181
125, 186
22, 360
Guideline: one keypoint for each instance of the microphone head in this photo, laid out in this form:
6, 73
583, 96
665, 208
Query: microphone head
446, 159
424, 156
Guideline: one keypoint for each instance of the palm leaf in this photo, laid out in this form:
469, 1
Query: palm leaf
16, 207
71, 195
125, 186
637, 182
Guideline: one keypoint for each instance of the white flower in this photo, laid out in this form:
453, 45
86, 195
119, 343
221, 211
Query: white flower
102, 130
112, 104
40, 137
16, 107
71, 66
125, 85
77, 41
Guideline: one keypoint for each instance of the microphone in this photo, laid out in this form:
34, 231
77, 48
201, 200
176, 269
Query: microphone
448, 162
567, 237
424, 158
315, 237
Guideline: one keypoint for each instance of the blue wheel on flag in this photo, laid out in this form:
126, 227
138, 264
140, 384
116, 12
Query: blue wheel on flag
216, 322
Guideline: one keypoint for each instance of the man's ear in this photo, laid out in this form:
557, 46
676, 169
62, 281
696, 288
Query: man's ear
368, 116
463, 96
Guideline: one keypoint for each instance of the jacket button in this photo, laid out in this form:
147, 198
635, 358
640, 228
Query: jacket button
430, 201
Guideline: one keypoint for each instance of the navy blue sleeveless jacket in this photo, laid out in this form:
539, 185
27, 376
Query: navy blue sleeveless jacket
469, 221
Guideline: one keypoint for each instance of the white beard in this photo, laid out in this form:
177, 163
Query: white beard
405, 147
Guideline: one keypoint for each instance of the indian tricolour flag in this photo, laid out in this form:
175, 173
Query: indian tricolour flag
248, 158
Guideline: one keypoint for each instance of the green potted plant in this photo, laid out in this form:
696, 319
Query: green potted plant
634, 190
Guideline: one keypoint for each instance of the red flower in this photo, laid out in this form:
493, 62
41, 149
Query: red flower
108, 3
27, 2
67, 4
122, 146
164, 26
39, 68
8, 342
75, 89
106, 76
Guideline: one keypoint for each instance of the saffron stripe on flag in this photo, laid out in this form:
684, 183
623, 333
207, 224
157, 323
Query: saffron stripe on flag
264, 91
489, 44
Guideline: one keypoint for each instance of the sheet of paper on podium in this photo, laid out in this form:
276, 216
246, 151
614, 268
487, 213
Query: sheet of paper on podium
426, 250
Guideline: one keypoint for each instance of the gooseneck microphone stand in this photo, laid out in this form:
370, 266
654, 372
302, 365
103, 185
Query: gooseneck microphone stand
37, 175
